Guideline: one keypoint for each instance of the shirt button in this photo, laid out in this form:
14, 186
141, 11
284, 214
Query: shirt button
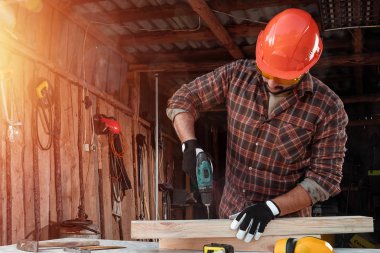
257, 144
243, 190
250, 168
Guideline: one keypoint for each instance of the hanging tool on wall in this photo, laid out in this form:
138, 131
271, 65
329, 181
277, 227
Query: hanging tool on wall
104, 125
80, 226
166, 188
140, 140
13, 124
44, 112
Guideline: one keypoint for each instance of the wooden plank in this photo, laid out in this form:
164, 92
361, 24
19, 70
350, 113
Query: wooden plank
91, 29
68, 136
59, 40
128, 212
15, 46
221, 227
113, 81
133, 87
106, 176
2, 183
266, 243
16, 110
75, 51
90, 165
27, 74
44, 164
57, 149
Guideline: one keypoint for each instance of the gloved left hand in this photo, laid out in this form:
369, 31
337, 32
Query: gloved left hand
253, 220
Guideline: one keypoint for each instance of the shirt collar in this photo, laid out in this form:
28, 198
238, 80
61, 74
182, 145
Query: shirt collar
305, 86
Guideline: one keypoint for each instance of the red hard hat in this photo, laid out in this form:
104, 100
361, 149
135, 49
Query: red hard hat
289, 45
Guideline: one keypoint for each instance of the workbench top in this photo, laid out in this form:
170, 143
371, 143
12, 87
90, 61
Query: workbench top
148, 247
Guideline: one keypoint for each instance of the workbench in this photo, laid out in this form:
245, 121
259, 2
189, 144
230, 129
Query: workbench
147, 247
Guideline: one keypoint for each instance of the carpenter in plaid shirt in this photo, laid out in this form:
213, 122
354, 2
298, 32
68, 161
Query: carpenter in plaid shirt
286, 129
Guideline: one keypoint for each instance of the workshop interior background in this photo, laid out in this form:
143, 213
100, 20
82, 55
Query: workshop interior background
70, 69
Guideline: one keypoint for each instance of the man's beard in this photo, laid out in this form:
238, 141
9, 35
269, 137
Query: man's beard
280, 91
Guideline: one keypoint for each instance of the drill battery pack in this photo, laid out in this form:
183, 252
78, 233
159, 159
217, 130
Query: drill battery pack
218, 248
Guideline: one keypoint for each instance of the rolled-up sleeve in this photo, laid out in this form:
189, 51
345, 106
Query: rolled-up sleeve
328, 149
203, 93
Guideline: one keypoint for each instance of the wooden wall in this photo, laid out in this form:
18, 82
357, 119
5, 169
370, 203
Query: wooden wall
38, 188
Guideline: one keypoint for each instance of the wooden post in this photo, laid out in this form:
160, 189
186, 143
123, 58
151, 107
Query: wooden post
37, 218
9, 189
134, 79
81, 208
57, 149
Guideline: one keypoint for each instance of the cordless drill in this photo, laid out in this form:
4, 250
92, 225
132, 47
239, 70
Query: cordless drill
204, 171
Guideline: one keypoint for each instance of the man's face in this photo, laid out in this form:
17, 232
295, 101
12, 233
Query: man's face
275, 87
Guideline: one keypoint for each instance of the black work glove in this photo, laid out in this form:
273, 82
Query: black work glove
189, 159
253, 220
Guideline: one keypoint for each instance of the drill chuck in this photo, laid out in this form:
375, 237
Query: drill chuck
206, 197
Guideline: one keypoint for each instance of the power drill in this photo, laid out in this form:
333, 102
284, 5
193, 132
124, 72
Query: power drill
204, 171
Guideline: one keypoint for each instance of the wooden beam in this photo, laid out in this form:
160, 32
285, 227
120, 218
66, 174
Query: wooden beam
78, 2
204, 11
364, 122
148, 12
222, 53
183, 9
358, 70
166, 37
176, 66
350, 60
373, 98
221, 227
346, 60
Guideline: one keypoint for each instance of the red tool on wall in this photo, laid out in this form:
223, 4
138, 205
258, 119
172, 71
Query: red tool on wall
104, 125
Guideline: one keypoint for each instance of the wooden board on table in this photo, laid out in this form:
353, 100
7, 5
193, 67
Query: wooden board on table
265, 243
221, 228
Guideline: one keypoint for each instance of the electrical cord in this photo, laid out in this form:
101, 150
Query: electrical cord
46, 121
111, 140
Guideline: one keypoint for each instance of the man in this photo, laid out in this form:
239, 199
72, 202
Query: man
286, 129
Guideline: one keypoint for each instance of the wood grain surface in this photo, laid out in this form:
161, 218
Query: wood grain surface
221, 228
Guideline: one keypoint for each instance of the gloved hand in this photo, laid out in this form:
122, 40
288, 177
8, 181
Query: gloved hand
189, 160
253, 220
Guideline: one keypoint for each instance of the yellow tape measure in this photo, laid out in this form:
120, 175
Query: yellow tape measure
218, 248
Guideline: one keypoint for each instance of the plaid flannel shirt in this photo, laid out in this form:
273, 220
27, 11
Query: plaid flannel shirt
268, 155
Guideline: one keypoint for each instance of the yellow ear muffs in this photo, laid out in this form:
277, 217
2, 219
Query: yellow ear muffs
290, 245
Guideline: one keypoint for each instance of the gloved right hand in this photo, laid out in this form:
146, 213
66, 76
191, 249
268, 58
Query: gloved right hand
189, 160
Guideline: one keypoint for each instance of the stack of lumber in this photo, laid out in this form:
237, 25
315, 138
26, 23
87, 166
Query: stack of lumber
193, 234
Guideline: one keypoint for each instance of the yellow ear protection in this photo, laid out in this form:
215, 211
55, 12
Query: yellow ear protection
290, 245
307, 244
